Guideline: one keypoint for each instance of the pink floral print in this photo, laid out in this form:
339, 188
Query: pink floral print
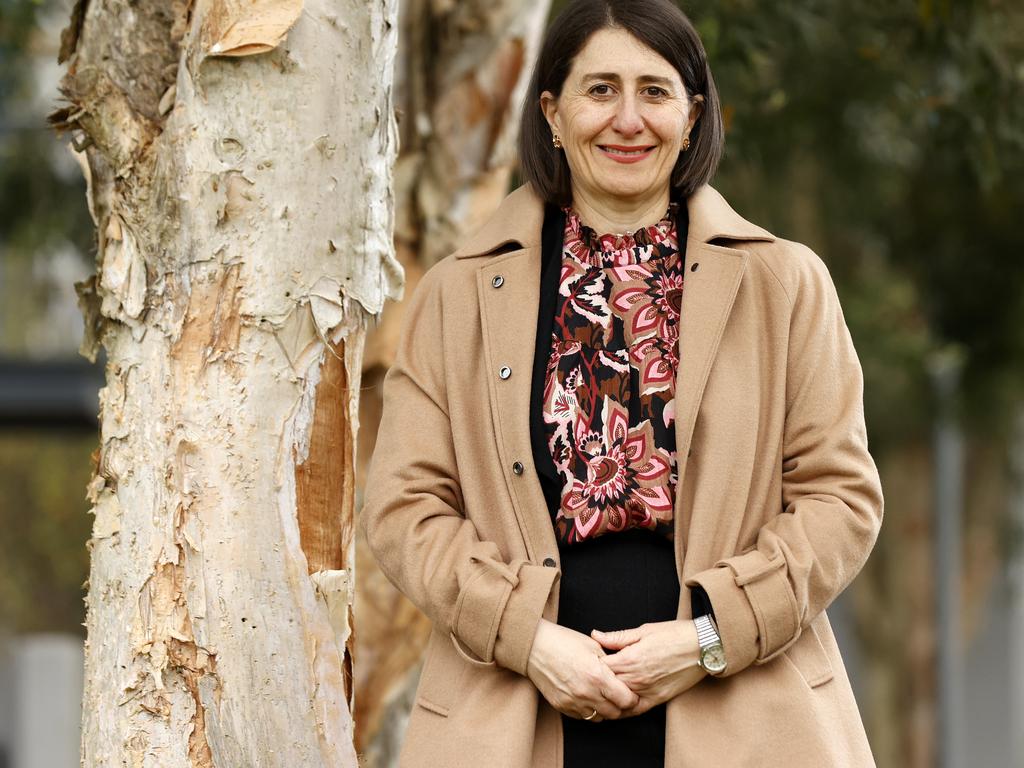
609, 390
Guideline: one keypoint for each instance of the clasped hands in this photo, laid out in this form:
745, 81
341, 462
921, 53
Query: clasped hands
652, 663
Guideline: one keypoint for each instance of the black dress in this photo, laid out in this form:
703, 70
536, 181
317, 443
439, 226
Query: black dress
615, 581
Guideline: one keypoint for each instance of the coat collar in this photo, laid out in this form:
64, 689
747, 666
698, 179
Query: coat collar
519, 218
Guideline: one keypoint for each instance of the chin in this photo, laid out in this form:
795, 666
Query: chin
628, 190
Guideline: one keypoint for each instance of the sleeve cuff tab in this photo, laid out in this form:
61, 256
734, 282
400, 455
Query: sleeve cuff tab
752, 566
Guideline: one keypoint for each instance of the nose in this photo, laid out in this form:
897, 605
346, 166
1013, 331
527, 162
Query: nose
628, 120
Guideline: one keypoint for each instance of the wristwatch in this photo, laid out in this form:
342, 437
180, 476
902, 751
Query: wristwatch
712, 654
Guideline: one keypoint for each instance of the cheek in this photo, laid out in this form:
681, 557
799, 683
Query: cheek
582, 130
586, 124
670, 126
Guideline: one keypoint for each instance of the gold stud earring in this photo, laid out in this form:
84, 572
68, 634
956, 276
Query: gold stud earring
686, 143
555, 141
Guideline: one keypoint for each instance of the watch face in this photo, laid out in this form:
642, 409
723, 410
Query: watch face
712, 658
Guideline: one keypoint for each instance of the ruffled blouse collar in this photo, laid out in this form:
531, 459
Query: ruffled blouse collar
615, 250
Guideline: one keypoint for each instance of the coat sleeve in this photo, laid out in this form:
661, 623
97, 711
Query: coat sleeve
413, 514
830, 512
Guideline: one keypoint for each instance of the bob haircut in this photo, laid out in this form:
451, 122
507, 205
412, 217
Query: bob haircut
661, 26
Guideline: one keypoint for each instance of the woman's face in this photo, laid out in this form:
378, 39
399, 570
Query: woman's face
621, 118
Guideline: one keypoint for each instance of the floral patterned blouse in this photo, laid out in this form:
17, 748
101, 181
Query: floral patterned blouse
609, 388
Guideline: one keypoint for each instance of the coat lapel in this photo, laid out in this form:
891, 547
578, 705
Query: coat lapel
509, 294
709, 293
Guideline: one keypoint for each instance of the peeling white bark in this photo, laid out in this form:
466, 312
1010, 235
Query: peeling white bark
244, 220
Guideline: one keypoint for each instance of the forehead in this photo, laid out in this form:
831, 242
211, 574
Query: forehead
614, 50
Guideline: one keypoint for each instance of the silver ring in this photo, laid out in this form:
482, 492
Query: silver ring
590, 715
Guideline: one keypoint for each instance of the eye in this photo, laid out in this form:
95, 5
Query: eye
656, 91
600, 89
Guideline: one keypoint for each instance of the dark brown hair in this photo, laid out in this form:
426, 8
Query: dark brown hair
661, 26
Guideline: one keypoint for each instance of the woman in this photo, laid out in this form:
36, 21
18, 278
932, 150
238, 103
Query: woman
622, 464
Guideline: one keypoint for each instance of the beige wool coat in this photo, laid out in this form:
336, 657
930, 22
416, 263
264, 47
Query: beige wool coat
778, 501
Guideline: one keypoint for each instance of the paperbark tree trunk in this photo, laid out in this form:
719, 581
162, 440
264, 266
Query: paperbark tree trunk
239, 163
462, 70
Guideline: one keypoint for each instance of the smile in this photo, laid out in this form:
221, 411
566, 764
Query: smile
621, 154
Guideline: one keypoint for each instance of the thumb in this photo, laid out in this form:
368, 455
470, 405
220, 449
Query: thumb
620, 638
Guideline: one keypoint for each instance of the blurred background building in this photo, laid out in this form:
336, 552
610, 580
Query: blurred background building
889, 137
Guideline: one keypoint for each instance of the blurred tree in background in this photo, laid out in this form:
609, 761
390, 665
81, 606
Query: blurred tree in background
890, 137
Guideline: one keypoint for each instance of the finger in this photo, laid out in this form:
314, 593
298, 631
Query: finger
620, 638
622, 661
581, 710
618, 693
641, 706
605, 710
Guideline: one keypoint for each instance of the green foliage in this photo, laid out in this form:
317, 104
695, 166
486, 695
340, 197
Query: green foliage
890, 138
17, 19
42, 192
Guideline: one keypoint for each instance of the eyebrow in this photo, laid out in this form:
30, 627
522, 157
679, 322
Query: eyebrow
613, 76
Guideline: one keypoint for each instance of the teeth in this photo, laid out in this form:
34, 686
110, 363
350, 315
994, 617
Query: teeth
625, 152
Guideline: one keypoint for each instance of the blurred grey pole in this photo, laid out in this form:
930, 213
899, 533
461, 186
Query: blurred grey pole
1016, 568
945, 369
7, 707
49, 672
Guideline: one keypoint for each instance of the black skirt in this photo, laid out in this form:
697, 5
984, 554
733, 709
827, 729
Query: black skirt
617, 581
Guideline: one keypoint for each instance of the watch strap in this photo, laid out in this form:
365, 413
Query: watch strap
707, 632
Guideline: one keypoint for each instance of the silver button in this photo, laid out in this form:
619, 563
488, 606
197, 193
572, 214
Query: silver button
497, 281
517, 467
505, 372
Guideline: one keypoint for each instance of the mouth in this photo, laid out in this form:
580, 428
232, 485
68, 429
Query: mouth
626, 154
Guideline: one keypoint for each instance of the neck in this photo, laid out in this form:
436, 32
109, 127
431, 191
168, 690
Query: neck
618, 216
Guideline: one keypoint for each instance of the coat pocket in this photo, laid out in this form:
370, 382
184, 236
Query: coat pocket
809, 657
441, 678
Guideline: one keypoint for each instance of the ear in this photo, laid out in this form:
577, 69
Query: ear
549, 106
696, 110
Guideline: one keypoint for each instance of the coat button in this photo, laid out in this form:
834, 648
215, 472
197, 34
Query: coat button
517, 467
693, 267
505, 372
550, 562
497, 281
